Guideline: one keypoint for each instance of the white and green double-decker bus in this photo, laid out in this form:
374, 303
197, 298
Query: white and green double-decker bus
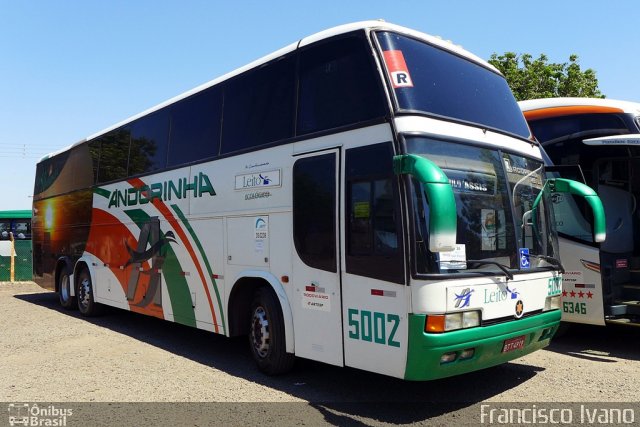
369, 196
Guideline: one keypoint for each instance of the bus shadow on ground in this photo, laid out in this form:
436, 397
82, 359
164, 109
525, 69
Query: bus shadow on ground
598, 343
342, 396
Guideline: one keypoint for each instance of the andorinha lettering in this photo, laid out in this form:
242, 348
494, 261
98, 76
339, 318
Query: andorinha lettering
167, 190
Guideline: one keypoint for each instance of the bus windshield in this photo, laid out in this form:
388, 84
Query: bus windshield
495, 192
441, 83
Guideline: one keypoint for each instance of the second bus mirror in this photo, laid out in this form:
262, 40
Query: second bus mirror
562, 185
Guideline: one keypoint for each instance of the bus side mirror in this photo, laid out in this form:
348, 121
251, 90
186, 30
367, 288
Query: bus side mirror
562, 185
443, 216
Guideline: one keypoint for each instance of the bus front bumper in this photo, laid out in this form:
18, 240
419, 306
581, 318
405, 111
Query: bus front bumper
488, 344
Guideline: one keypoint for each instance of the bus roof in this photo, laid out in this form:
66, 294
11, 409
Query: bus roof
342, 29
534, 109
15, 214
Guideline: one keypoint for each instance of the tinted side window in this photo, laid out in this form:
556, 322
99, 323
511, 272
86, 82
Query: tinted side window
259, 106
195, 127
94, 151
49, 170
562, 140
5, 229
149, 139
21, 229
114, 155
314, 211
339, 85
374, 246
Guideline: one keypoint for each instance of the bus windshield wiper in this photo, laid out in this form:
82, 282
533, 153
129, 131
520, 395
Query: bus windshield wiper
502, 267
551, 260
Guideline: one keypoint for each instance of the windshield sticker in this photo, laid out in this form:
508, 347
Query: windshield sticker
489, 234
533, 175
361, 210
455, 259
398, 70
501, 230
525, 262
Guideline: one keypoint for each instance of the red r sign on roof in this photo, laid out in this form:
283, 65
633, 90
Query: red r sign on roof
398, 70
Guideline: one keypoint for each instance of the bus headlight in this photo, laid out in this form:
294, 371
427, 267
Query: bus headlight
437, 323
552, 303
470, 319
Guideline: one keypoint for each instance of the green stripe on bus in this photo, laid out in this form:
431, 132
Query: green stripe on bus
206, 260
102, 192
178, 289
177, 286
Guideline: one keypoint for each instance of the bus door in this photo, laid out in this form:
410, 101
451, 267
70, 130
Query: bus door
374, 294
317, 301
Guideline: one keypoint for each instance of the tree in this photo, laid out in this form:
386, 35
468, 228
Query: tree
537, 78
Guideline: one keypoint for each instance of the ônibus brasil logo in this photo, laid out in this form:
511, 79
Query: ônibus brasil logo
25, 414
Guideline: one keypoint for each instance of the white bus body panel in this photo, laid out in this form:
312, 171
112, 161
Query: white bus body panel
581, 285
495, 297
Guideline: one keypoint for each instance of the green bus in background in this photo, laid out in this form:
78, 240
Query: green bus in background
15, 224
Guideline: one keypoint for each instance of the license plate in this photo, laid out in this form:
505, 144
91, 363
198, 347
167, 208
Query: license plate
513, 344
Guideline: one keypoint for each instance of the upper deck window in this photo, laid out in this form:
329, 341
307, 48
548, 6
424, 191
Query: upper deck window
338, 85
259, 106
438, 82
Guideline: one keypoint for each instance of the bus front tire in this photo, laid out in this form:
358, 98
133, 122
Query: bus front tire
266, 335
64, 291
84, 294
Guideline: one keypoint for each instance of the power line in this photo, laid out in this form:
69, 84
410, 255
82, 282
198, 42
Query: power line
23, 151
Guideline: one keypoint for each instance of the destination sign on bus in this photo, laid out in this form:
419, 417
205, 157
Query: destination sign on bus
471, 182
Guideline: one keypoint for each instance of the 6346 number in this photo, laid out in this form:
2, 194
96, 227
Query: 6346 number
574, 307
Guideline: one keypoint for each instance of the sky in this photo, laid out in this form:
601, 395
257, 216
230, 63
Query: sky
71, 68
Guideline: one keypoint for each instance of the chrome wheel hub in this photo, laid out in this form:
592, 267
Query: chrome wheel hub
260, 332
84, 290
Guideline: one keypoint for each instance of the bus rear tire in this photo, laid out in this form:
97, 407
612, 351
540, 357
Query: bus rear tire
266, 335
64, 291
85, 293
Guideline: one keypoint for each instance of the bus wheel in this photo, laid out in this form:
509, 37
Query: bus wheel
84, 293
64, 291
266, 334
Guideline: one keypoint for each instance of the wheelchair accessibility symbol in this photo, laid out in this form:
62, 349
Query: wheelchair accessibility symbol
524, 258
